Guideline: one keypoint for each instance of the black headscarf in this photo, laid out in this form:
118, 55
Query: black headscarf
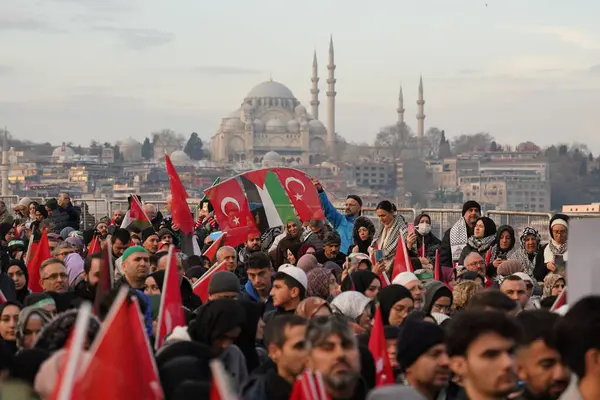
361, 280
247, 339
363, 245
214, 319
24, 291
159, 278
10, 345
389, 296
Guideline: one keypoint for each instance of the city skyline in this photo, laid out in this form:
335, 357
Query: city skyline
76, 70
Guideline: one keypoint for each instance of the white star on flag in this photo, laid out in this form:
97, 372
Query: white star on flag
298, 196
236, 220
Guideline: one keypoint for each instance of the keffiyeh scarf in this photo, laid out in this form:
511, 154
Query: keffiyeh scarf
399, 227
458, 238
481, 244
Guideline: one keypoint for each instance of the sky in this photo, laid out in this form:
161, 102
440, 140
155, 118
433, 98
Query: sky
79, 70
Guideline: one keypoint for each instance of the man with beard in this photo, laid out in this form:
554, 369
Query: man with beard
284, 339
455, 238
119, 242
136, 266
421, 354
258, 287
86, 288
253, 244
333, 351
481, 347
331, 250
539, 365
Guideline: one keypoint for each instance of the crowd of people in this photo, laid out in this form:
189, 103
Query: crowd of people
304, 296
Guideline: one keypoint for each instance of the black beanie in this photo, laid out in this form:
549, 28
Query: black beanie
470, 204
355, 198
416, 337
146, 233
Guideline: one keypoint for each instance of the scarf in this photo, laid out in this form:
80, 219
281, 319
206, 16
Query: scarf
398, 228
554, 249
524, 258
549, 282
481, 244
458, 238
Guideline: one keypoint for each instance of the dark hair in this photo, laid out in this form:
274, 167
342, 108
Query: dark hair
291, 283
35, 297
578, 332
87, 263
513, 278
155, 258
193, 261
121, 234
538, 324
467, 326
491, 298
386, 205
134, 229
548, 302
258, 260
274, 332
109, 298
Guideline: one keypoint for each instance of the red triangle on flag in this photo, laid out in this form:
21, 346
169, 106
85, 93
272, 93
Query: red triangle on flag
200, 287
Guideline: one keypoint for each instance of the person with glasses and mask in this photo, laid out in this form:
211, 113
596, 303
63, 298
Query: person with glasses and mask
53, 276
438, 298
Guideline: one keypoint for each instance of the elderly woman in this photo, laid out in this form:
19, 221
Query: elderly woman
531, 253
554, 284
555, 253
392, 228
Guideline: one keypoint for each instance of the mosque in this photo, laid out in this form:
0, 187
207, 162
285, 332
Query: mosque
271, 127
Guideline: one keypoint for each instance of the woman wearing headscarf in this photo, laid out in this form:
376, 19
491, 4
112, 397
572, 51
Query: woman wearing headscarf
504, 249
555, 253
356, 306
335, 269
306, 248
9, 317
395, 302
31, 322
363, 231
484, 237
392, 228
292, 236
293, 253
554, 284
531, 253
425, 236
438, 298
321, 283
313, 307
507, 268
365, 282
307, 263
20, 276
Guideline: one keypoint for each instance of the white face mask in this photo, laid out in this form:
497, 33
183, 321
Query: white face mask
423, 228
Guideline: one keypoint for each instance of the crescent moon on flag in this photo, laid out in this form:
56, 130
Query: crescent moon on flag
229, 200
292, 179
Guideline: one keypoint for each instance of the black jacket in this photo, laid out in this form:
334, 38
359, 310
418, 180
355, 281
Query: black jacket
446, 250
268, 386
8, 287
539, 270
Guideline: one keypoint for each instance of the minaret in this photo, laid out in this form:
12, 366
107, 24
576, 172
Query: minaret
400, 107
331, 101
314, 102
420, 117
5, 163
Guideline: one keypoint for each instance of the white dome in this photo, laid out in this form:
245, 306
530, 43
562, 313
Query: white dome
63, 151
234, 124
276, 125
293, 126
272, 156
129, 142
259, 126
179, 157
270, 89
300, 110
316, 126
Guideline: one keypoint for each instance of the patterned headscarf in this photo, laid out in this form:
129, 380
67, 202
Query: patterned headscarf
549, 282
529, 231
318, 282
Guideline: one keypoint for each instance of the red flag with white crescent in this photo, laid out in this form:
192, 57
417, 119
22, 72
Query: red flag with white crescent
301, 192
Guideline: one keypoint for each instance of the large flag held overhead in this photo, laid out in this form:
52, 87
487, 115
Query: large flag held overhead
170, 313
42, 253
231, 211
180, 209
301, 192
267, 198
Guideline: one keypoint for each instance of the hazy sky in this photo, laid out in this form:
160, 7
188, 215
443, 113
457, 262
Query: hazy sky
76, 70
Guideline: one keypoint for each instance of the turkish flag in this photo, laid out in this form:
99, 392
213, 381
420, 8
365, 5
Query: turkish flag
378, 348
200, 287
221, 388
301, 192
560, 301
2, 298
105, 283
170, 313
402, 260
231, 211
309, 386
211, 252
95, 246
121, 366
42, 253
180, 210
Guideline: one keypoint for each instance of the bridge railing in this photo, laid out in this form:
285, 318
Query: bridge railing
519, 220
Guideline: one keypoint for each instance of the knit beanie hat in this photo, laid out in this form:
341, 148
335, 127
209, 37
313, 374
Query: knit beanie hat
416, 337
146, 233
470, 204
133, 249
223, 281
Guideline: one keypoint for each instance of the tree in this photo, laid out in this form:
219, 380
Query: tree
432, 143
494, 146
193, 147
468, 143
117, 153
147, 150
95, 148
394, 139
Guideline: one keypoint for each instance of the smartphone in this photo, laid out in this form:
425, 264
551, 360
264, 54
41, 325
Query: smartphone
502, 256
411, 228
378, 255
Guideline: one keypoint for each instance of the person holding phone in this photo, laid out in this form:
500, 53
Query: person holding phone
556, 254
504, 249
393, 227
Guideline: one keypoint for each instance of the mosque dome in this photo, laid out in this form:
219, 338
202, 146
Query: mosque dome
234, 124
271, 159
178, 157
270, 89
259, 126
316, 126
300, 110
276, 125
293, 126
63, 151
131, 150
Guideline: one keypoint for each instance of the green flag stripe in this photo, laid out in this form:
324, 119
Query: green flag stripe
279, 199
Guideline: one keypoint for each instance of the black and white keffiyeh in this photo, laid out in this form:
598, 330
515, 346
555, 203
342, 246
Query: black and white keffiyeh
399, 227
481, 244
458, 238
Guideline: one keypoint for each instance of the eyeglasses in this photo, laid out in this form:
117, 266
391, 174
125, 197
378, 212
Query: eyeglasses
560, 233
55, 276
476, 263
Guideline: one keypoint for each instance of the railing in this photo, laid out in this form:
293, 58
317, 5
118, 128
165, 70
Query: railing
520, 220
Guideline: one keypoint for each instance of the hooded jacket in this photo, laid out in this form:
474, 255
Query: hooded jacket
433, 291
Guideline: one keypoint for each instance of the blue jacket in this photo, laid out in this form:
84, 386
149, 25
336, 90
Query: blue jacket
253, 296
341, 223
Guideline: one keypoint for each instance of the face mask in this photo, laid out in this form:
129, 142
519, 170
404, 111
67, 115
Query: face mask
423, 228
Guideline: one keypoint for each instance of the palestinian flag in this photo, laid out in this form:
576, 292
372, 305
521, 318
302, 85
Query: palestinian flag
267, 199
